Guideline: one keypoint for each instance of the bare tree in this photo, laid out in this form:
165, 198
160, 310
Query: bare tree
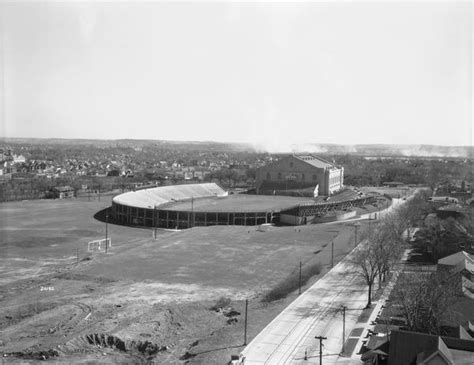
388, 246
407, 216
424, 299
366, 261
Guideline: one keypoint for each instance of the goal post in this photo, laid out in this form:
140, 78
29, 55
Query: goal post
99, 245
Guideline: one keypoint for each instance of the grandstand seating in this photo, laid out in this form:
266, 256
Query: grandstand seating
149, 198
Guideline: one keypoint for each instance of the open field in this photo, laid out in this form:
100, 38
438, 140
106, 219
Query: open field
152, 295
240, 203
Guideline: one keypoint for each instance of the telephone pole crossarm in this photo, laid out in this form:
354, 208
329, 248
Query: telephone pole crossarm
321, 338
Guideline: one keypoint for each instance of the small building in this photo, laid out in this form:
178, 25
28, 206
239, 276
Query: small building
443, 200
451, 210
461, 263
406, 348
63, 192
300, 172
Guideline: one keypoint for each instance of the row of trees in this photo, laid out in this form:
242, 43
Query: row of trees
376, 256
384, 241
422, 298
359, 171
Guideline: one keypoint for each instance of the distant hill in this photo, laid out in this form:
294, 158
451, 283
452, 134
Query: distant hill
374, 150
385, 150
134, 143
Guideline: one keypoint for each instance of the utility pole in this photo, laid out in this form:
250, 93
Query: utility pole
245, 328
106, 229
155, 218
320, 338
356, 226
299, 291
332, 254
192, 211
343, 328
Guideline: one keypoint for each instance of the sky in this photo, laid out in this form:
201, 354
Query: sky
273, 74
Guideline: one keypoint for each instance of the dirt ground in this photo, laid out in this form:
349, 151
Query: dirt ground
146, 300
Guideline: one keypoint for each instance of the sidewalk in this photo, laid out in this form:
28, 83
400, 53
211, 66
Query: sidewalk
366, 323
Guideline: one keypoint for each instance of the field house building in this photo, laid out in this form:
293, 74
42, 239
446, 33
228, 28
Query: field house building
300, 172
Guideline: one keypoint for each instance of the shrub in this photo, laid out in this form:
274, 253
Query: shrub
222, 302
291, 282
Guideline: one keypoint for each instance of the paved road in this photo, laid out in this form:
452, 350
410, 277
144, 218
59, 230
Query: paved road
317, 312
290, 337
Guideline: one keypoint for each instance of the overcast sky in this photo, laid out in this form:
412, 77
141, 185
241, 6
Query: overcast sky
266, 73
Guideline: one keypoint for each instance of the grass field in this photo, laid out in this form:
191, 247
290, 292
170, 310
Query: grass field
240, 203
176, 277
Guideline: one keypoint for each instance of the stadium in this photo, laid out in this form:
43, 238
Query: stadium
192, 205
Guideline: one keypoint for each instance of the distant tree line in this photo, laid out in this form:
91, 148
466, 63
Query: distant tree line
359, 171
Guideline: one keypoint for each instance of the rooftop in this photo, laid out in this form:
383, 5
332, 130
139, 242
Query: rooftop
455, 258
315, 161
407, 347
